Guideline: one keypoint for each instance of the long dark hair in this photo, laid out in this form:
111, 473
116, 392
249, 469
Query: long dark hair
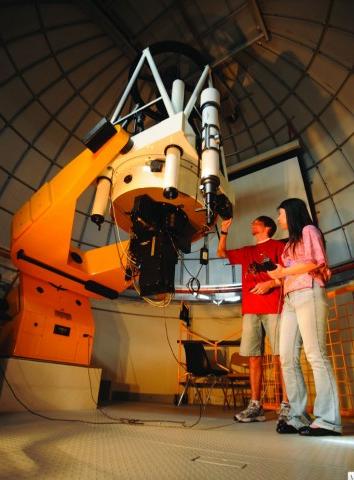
297, 217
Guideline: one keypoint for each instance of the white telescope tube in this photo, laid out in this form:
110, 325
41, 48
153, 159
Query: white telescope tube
177, 95
103, 190
210, 104
172, 165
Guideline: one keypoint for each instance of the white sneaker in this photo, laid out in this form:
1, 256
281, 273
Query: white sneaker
253, 413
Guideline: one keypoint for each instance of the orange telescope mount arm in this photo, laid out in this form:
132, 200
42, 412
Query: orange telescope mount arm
42, 228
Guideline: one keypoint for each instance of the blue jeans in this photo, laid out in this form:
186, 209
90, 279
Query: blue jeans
304, 322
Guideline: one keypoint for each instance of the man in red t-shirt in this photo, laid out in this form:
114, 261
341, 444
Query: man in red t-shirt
261, 307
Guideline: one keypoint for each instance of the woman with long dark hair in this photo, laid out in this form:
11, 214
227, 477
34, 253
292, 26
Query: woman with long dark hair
304, 322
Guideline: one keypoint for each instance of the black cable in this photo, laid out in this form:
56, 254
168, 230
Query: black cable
37, 414
193, 285
184, 366
137, 421
129, 274
130, 421
116, 421
181, 364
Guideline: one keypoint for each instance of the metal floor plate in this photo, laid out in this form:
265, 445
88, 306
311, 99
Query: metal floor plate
217, 447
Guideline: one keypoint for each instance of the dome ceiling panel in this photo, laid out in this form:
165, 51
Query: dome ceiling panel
297, 112
72, 113
244, 141
338, 45
65, 36
150, 37
33, 176
16, 22
108, 99
270, 82
69, 150
104, 79
336, 171
290, 50
296, 9
231, 78
231, 33
84, 73
282, 135
211, 13
41, 75
267, 144
132, 17
300, 31
50, 139
338, 121
313, 95
342, 16
28, 50
13, 97
307, 158
192, 10
7, 69
156, 8
3, 178
337, 247
319, 188
283, 68
249, 110
33, 118
5, 230
262, 99
347, 150
327, 73
86, 198
51, 172
102, 99
58, 94
328, 215
345, 95
15, 195
79, 226
276, 121
247, 153
259, 132
91, 118
56, 14
344, 204
76, 54
349, 234
318, 143
230, 134
12, 148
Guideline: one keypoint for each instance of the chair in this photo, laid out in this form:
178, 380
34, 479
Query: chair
239, 378
200, 373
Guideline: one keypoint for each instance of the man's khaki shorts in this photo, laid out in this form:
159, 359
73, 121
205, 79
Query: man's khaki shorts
254, 328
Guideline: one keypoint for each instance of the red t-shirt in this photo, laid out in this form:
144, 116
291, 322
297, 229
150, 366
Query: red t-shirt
270, 302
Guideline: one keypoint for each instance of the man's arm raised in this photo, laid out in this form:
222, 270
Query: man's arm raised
225, 226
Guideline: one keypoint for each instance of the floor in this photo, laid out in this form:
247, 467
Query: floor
150, 441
